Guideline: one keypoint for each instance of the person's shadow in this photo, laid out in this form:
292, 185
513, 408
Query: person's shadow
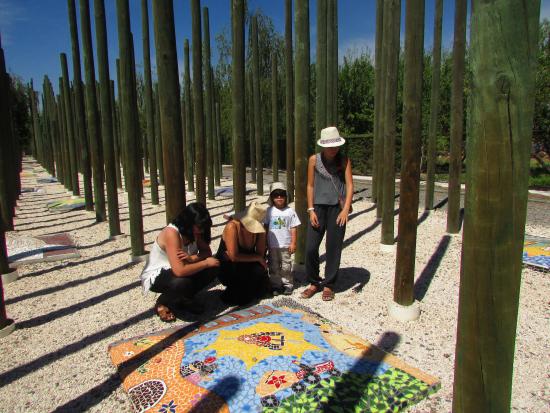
210, 300
352, 278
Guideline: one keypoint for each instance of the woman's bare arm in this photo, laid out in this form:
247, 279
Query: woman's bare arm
309, 190
171, 243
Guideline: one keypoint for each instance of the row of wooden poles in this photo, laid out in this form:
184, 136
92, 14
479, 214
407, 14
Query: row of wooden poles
500, 110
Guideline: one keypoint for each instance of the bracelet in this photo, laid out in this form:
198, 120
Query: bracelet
310, 209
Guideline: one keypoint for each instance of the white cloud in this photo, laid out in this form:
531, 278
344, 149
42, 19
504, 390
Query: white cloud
545, 10
11, 13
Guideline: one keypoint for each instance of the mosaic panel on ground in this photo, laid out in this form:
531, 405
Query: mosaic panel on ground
536, 252
265, 359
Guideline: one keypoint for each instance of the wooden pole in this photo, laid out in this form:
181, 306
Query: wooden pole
289, 100
130, 134
106, 118
188, 124
198, 107
81, 134
158, 135
94, 126
257, 104
504, 59
457, 117
170, 110
392, 17
321, 70
403, 290
377, 150
274, 126
434, 106
116, 135
149, 108
237, 99
251, 130
301, 116
208, 105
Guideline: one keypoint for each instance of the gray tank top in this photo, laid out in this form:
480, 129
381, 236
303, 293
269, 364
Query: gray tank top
328, 183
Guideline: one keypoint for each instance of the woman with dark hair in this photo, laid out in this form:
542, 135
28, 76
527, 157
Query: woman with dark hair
180, 263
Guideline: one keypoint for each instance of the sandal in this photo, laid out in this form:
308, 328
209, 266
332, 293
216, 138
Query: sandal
328, 294
309, 291
164, 313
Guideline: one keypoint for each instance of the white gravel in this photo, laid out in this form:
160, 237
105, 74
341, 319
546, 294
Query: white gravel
68, 312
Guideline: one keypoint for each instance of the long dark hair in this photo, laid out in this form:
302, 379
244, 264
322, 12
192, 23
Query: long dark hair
194, 214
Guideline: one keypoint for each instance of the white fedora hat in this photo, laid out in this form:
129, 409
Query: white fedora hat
330, 138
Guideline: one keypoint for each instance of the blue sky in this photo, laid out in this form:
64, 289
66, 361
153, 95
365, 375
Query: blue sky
34, 32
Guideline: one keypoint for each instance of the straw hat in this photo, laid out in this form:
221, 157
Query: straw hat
274, 187
252, 218
330, 138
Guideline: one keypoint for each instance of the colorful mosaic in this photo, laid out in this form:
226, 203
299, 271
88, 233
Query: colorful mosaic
146, 183
265, 359
66, 204
536, 252
28, 250
48, 180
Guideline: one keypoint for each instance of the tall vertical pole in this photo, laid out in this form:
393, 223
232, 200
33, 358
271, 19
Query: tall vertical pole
158, 135
434, 106
289, 100
94, 126
274, 128
331, 49
116, 135
81, 135
149, 109
251, 130
198, 108
237, 99
208, 105
188, 124
130, 134
170, 109
106, 117
392, 16
504, 59
301, 116
321, 69
257, 104
215, 142
377, 150
403, 290
457, 117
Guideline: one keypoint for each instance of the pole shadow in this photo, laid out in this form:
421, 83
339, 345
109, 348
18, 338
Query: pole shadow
425, 278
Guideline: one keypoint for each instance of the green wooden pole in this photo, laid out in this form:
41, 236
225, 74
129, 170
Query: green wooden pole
251, 130
188, 124
66, 137
116, 135
94, 126
158, 136
289, 100
330, 49
36, 125
5, 322
208, 105
378, 101
403, 290
81, 133
130, 134
153, 175
69, 122
504, 60
107, 118
301, 117
321, 70
217, 152
170, 109
457, 117
274, 126
434, 106
384, 44
198, 107
391, 45
238, 104
257, 103
215, 143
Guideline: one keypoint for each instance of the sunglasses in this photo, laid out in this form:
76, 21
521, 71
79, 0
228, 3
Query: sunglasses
278, 194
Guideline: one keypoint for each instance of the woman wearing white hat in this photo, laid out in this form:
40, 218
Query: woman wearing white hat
329, 196
243, 268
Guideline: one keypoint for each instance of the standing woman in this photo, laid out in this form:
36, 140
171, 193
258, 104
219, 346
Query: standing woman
180, 263
242, 254
329, 195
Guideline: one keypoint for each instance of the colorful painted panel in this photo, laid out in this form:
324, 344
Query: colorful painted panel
265, 359
66, 204
536, 252
28, 250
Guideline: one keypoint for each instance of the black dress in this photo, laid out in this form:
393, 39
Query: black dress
245, 281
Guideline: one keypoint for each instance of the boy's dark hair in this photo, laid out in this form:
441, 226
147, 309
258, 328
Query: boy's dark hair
194, 214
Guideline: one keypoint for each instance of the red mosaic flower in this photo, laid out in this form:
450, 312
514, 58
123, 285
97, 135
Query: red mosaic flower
278, 381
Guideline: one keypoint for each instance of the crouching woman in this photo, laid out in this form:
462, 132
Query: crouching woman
180, 263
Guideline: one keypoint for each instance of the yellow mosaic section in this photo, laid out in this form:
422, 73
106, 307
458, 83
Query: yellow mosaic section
163, 365
228, 344
534, 249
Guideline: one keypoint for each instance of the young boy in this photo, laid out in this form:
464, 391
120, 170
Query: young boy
281, 222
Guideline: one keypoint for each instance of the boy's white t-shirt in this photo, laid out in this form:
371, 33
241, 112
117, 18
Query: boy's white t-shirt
279, 222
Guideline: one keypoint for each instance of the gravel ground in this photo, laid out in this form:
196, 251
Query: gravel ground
68, 312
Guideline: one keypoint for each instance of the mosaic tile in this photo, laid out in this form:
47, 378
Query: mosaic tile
536, 252
268, 360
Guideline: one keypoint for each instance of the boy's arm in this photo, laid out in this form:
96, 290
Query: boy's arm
292, 246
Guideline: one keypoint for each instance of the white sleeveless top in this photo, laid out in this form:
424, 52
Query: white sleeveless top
158, 260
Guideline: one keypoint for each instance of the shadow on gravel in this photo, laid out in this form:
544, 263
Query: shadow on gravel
56, 224
352, 278
424, 280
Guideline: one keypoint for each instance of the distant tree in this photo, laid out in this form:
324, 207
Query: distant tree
541, 121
